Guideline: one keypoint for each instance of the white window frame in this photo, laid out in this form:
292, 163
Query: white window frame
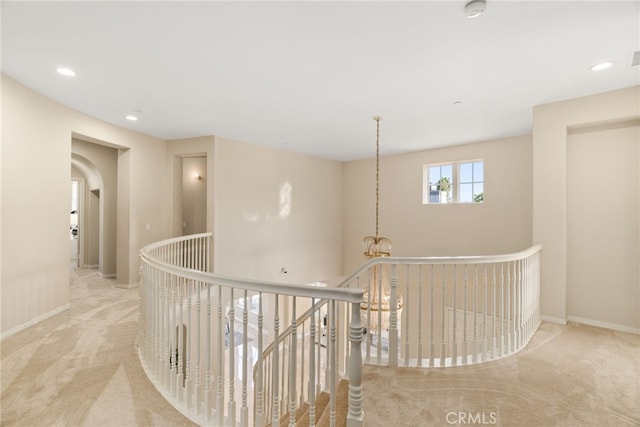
454, 196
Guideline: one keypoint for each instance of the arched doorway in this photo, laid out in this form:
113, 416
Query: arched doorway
96, 166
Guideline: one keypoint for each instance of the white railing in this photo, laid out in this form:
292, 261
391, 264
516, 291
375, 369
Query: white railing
443, 311
198, 353
227, 351
448, 311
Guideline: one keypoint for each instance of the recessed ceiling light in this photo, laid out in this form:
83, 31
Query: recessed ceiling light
133, 117
66, 71
475, 8
601, 66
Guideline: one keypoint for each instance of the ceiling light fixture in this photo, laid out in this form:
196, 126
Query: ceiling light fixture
133, 117
66, 71
475, 8
601, 66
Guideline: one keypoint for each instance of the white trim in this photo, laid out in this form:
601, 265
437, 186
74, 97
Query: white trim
179, 406
35, 320
605, 325
551, 319
108, 275
133, 285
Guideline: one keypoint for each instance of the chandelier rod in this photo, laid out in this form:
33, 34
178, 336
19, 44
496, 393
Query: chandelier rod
377, 119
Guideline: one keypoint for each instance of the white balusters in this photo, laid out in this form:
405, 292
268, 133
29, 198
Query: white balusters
189, 342
231, 349
244, 409
220, 358
465, 344
293, 342
355, 415
443, 344
432, 309
260, 374
454, 350
207, 375
406, 311
367, 322
313, 348
319, 351
180, 344
420, 345
454, 311
393, 318
198, 339
275, 405
508, 309
476, 346
333, 374
494, 309
502, 318
484, 314
303, 365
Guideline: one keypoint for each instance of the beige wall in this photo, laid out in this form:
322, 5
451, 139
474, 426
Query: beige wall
276, 209
178, 150
194, 195
603, 244
34, 210
36, 155
550, 129
501, 224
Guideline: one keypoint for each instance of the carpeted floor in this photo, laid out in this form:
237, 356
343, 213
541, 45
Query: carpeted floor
80, 368
567, 376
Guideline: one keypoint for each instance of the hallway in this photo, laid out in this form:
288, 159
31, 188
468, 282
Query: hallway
80, 368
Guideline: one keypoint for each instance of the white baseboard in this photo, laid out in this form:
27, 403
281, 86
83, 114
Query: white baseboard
551, 319
128, 285
88, 266
108, 275
33, 321
605, 325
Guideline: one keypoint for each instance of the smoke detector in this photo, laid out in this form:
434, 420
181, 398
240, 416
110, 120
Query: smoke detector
475, 8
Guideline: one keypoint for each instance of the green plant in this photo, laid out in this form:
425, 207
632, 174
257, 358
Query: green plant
478, 197
444, 184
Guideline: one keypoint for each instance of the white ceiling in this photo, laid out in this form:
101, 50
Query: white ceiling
309, 76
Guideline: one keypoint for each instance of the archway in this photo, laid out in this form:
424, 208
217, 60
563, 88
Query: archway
97, 166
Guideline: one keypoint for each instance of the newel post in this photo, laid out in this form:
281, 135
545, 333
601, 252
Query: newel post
355, 415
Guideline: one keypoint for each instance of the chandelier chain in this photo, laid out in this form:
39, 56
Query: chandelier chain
377, 119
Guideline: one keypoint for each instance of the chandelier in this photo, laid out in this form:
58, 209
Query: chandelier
376, 306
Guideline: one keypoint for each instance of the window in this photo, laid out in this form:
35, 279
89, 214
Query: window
461, 182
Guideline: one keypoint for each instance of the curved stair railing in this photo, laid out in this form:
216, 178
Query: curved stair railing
207, 341
450, 311
198, 353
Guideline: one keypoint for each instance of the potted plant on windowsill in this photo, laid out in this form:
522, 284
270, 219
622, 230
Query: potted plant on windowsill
443, 186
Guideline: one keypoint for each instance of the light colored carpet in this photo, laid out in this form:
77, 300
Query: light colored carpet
572, 375
80, 368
